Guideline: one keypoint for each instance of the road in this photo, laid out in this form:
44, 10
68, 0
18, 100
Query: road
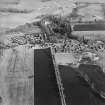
17, 76
46, 89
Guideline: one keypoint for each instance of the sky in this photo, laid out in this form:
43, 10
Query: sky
18, 12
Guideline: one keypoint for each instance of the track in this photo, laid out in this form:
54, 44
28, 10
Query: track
12, 61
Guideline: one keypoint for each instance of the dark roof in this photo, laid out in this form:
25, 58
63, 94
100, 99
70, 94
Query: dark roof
89, 27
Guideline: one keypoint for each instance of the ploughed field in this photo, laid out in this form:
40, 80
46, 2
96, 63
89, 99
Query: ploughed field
76, 89
17, 76
46, 88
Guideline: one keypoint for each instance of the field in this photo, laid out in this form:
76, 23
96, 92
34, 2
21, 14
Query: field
17, 76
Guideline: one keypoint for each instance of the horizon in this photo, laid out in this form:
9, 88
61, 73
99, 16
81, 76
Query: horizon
18, 12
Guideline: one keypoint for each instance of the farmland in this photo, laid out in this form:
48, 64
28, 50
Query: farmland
16, 76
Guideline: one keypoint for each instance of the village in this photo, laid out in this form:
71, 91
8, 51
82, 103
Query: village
56, 59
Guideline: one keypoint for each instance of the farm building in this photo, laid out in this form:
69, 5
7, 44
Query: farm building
95, 31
